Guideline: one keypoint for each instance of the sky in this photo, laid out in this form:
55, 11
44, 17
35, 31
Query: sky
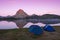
38, 7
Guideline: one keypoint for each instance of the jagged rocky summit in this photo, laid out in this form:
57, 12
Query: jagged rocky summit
20, 14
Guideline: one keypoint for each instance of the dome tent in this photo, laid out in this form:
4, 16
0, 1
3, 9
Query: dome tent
49, 28
35, 29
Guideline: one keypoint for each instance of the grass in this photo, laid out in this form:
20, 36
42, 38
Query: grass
23, 34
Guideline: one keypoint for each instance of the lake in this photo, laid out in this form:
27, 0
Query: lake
24, 24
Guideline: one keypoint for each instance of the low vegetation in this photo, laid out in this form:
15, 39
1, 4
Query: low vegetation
23, 34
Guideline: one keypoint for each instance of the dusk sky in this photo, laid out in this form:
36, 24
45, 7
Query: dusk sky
39, 7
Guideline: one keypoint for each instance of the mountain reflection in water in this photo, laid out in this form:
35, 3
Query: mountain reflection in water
25, 24
20, 23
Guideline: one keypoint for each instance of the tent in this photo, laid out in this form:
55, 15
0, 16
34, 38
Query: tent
49, 28
35, 29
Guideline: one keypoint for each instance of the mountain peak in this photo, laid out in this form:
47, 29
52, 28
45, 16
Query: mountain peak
33, 14
20, 11
20, 14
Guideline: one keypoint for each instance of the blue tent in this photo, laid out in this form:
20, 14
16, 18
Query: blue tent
35, 29
49, 28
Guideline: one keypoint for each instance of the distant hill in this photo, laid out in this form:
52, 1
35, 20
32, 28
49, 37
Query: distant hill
34, 16
49, 16
45, 16
1, 17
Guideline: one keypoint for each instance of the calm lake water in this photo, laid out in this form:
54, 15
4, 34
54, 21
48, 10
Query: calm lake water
21, 24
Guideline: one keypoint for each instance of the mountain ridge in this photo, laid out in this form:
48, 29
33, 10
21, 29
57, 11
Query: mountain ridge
22, 14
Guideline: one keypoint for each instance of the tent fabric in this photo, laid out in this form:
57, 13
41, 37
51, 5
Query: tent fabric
49, 28
35, 29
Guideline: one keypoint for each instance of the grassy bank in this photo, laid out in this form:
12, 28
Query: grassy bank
23, 34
